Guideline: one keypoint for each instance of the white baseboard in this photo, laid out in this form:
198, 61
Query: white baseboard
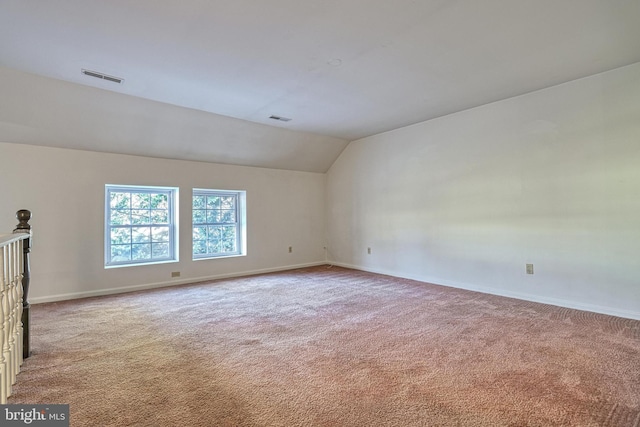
183, 281
611, 311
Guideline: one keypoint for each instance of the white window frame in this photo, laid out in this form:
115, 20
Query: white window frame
239, 223
172, 223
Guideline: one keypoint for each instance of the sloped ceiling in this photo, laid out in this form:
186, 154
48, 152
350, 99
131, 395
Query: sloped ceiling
202, 77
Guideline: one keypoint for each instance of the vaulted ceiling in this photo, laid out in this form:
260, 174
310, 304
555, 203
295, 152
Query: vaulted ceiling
203, 77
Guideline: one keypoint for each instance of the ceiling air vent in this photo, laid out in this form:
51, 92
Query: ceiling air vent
102, 76
280, 118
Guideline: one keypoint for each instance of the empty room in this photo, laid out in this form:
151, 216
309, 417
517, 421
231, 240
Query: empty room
320, 213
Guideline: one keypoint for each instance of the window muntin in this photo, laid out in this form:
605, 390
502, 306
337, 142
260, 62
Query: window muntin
140, 225
218, 223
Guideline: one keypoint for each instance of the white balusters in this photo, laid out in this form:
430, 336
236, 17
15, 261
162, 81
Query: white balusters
11, 269
4, 393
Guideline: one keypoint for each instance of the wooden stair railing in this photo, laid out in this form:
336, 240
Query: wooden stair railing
14, 267
23, 216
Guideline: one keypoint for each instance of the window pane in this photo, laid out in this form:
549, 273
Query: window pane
213, 232
140, 201
120, 236
212, 216
140, 234
160, 234
120, 253
160, 217
158, 201
141, 251
119, 200
228, 202
227, 216
228, 232
228, 239
199, 202
200, 233
120, 217
160, 250
199, 247
213, 239
199, 216
213, 202
213, 247
140, 217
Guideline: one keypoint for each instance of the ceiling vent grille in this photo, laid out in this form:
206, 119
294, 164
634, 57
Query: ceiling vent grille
102, 76
280, 118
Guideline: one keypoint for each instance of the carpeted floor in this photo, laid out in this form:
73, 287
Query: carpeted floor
330, 347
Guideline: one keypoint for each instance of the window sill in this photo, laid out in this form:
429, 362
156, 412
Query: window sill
217, 257
138, 264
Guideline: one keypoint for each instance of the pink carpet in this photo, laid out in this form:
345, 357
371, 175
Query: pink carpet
330, 347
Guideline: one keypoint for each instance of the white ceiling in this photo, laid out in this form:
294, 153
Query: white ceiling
340, 69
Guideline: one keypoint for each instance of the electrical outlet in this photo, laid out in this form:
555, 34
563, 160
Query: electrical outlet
290, 249
175, 274
529, 268
369, 251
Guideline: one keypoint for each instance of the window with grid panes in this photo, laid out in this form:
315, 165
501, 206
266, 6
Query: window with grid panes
218, 223
140, 225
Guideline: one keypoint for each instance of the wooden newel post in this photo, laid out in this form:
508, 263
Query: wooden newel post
23, 216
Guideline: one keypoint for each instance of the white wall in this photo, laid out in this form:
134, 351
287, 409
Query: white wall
549, 178
466, 200
65, 191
